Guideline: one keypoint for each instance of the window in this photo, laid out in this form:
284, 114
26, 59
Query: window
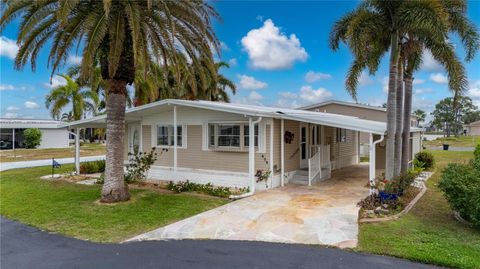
165, 136
341, 135
228, 136
246, 137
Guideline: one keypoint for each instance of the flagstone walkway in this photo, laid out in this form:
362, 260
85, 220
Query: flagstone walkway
326, 214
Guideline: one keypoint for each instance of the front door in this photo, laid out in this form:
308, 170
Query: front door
303, 145
134, 138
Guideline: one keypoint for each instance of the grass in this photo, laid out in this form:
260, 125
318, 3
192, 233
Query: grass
428, 233
454, 141
88, 149
73, 209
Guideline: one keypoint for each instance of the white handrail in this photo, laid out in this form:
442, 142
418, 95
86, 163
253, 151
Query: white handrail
313, 167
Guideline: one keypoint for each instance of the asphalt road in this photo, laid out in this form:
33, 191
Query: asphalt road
22, 246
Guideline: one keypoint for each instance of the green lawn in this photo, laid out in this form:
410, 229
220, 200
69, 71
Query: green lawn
73, 210
454, 141
428, 233
87, 149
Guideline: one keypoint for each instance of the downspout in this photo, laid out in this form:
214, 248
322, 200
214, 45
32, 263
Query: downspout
372, 158
251, 158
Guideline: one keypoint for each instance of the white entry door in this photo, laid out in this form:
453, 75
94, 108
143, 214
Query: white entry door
134, 138
303, 145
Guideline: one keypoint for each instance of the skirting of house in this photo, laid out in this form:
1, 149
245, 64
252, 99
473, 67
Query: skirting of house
344, 161
218, 178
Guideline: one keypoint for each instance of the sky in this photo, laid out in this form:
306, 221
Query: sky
278, 54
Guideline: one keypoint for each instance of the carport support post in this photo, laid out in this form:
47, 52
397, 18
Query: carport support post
282, 153
271, 153
13, 142
77, 151
175, 138
371, 172
251, 153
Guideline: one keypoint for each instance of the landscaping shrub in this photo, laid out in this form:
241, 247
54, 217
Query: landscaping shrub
92, 167
460, 184
32, 137
476, 153
425, 160
187, 186
139, 164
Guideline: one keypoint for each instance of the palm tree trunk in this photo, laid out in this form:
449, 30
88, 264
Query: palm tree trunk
398, 121
407, 112
114, 188
392, 82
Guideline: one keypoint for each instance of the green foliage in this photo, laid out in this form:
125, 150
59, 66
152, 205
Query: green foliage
262, 175
32, 137
476, 153
101, 179
453, 115
92, 167
187, 186
460, 184
425, 160
138, 165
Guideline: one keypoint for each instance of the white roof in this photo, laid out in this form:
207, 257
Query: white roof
31, 123
328, 119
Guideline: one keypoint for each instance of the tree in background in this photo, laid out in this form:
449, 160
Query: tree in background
81, 100
32, 138
421, 115
122, 37
451, 116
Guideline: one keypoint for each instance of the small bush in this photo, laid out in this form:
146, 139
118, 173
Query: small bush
92, 167
139, 164
101, 179
187, 186
425, 158
460, 184
476, 153
32, 137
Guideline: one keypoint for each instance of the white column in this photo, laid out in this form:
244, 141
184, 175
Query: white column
175, 138
271, 152
251, 153
13, 139
282, 152
77, 151
371, 174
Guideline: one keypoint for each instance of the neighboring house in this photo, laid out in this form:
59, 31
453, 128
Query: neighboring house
212, 142
54, 135
369, 113
473, 128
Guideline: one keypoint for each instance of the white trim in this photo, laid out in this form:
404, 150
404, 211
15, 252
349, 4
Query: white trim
271, 154
175, 138
154, 135
282, 152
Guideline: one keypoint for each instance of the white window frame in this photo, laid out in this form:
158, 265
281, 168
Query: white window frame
155, 135
341, 135
206, 139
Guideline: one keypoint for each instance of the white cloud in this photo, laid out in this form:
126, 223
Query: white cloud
7, 87
423, 90
74, 59
364, 79
8, 47
418, 81
385, 84
311, 95
56, 81
11, 115
429, 63
255, 96
439, 78
232, 62
31, 105
270, 49
289, 100
224, 46
312, 76
12, 108
474, 92
259, 18
250, 83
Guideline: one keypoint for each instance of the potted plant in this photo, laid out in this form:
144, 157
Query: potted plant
263, 175
387, 189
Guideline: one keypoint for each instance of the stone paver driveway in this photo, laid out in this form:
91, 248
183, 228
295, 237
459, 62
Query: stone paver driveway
322, 214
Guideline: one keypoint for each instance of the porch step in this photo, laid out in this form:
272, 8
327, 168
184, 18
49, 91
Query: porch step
300, 178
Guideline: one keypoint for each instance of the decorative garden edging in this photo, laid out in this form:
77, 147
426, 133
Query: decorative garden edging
419, 182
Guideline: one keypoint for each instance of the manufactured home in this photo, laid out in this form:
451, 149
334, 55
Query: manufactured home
204, 141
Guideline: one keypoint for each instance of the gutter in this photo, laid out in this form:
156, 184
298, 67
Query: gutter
251, 171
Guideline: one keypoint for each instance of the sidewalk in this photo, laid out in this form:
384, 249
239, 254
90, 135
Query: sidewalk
25, 164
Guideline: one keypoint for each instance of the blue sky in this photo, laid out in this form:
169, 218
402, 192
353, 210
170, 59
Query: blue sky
279, 56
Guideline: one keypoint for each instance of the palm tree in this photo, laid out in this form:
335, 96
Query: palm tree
81, 99
376, 27
421, 115
122, 36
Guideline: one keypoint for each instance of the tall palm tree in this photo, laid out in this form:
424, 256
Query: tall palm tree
420, 114
377, 27
124, 36
71, 94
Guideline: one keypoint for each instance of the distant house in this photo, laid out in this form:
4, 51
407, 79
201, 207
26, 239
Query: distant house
226, 144
367, 112
473, 128
54, 134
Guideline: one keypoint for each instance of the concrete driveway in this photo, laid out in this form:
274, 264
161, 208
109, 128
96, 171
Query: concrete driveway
322, 214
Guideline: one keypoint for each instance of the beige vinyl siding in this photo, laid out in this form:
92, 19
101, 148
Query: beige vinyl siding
342, 153
146, 138
292, 151
277, 146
